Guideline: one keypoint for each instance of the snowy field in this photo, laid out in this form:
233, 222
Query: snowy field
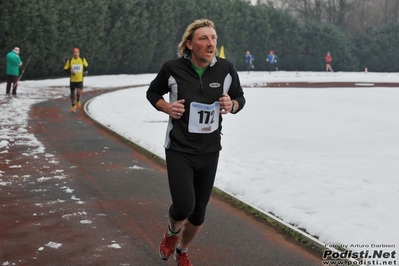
325, 160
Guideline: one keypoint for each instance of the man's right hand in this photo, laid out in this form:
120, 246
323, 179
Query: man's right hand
176, 109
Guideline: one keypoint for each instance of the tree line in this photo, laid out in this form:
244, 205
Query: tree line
138, 36
352, 16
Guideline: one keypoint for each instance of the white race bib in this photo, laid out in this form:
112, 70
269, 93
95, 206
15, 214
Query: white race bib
204, 118
77, 68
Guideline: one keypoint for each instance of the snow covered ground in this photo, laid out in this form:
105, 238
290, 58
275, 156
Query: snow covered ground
325, 160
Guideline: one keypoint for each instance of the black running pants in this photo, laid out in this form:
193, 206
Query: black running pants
191, 178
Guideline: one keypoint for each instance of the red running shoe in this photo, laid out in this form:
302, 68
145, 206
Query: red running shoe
182, 259
168, 245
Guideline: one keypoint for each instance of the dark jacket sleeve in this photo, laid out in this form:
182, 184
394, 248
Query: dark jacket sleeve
236, 92
159, 86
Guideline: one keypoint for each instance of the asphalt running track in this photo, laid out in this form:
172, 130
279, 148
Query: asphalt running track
94, 199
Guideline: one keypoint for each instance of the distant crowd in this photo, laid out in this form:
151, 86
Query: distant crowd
271, 60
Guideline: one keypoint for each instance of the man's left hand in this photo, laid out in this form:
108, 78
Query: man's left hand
225, 104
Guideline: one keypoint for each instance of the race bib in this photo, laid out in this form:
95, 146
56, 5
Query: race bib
77, 68
204, 118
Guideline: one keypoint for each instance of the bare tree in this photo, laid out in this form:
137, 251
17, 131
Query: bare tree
354, 16
391, 11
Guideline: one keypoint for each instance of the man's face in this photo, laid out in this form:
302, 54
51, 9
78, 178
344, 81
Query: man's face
75, 53
203, 46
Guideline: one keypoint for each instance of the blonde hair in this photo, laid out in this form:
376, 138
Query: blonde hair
188, 35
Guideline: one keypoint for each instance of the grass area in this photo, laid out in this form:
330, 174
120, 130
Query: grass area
295, 235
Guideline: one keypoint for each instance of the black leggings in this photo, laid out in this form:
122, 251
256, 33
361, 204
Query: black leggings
191, 179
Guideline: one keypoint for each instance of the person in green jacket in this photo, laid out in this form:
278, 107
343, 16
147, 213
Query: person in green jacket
13, 62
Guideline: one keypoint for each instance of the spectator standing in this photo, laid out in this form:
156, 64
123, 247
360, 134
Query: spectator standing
13, 63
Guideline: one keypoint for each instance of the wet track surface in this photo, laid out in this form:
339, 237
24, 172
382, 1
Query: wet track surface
93, 199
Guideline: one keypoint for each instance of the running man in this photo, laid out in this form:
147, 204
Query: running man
249, 60
328, 62
76, 67
272, 60
202, 87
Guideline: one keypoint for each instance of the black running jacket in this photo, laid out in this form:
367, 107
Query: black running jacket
193, 133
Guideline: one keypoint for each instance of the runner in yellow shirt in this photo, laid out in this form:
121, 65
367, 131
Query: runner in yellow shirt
76, 67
